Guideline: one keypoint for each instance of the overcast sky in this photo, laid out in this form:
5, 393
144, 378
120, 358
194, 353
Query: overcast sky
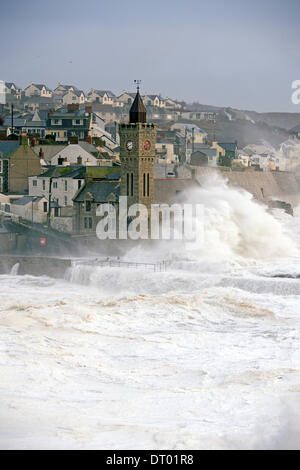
238, 53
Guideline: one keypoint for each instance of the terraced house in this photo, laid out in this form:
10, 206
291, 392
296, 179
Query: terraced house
38, 89
71, 121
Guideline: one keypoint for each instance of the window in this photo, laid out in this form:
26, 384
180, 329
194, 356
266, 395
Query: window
66, 185
79, 160
34, 183
1, 182
56, 122
55, 211
79, 184
55, 184
66, 201
88, 206
44, 185
45, 205
88, 222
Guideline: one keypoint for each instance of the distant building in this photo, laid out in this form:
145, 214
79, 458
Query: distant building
69, 122
127, 98
101, 96
73, 96
37, 89
12, 89
62, 89
199, 115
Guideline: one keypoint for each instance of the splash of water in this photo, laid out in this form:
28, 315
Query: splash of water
236, 226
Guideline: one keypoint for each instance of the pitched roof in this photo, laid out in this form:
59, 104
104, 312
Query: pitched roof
102, 92
103, 172
23, 201
39, 86
7, 148
76, 92
99, 191
137, 111
49, 150
63, 172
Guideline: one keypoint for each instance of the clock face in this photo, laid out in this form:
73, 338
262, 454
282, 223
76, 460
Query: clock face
129, 145
147, 145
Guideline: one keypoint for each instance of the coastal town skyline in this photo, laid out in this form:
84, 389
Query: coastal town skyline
216, 54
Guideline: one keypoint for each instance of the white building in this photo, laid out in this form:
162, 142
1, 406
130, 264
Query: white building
73, 96
101, 96
58, 186
62, 89
76, 154
31, 208
36, 89
165, 152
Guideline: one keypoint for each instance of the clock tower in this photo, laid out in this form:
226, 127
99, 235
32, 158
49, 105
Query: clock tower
137, 155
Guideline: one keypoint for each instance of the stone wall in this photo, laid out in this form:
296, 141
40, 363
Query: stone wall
264, 185
35, 265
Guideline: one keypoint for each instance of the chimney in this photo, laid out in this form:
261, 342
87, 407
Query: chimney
41, 153
73, 139
88, 109
73, 107
23, 138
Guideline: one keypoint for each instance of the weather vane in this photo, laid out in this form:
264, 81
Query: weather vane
137, 82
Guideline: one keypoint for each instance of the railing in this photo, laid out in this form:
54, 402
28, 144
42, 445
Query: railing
161, 266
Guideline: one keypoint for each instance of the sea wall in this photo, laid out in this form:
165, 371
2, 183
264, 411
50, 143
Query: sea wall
35, 265
264, 185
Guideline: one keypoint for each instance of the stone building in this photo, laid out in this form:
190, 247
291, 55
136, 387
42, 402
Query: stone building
17, 165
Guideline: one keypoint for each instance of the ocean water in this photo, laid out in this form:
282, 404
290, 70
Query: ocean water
202, 356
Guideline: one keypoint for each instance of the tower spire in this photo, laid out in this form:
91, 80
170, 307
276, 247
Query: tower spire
137, 111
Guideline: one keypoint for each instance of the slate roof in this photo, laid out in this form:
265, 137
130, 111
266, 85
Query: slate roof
63, 172
39, 86
98, 190
7, 148
49, 150
103, 172
23, 201
76, 92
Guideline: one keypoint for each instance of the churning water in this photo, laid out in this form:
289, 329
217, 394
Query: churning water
204, 355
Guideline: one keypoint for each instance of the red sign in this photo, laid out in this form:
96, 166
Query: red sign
43, 241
